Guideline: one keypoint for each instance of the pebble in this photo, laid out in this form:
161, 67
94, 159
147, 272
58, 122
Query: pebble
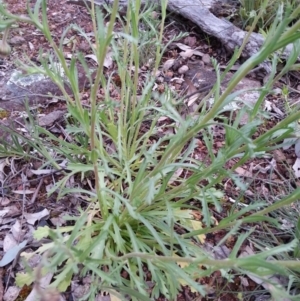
206, 59
183, 69
17, 40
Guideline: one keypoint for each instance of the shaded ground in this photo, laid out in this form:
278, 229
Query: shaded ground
268, 178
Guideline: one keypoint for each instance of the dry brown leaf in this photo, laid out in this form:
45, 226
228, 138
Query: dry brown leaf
279, 156
263, 280
168, 64
4, 201
182, 46
190, 90
243, 172
32, 218
9, 242
176, 175
11, 294
187, 53
49, 119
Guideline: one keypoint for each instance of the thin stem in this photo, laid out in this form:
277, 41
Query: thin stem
101, 52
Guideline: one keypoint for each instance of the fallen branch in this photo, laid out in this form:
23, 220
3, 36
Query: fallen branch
198, 12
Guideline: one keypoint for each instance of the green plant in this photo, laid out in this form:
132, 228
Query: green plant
138, 220
249, 10
5, 25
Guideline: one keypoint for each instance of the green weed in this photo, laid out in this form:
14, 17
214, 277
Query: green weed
138, 221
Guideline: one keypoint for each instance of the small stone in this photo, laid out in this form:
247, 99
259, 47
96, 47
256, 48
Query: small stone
169, 73
157, 73
160, 79
183, 69
206, 59
277, 91
154, 15
17, 40
84, 46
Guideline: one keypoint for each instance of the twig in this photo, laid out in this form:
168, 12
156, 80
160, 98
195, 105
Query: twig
36, 191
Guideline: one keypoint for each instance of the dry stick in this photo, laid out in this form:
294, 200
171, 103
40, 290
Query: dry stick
45, 294
34, 196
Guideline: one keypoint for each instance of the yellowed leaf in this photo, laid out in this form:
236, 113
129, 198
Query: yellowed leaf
184, 283
197, 225
216, 223
114, 298
114, 295
182, 264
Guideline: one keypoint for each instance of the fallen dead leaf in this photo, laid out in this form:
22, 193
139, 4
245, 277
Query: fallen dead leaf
190, 90
268, 105
220, 252
16, 231
243, 172
12, 253
187, 53
168, 64
11, 294
12, 210
296, 168
288, 142
25, 191
279, 156
9, 242
197, 225
3, 163
176, 175
50, 118
32, 218
3, 212
4, 201
182, 46
190, 41
264, 281
115, 296
42, 293
108, 61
